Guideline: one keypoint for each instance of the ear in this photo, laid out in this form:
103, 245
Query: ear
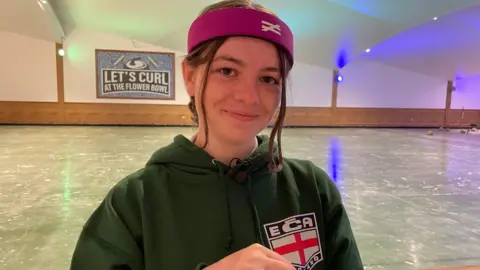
189, 78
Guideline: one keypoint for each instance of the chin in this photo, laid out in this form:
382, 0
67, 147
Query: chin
238, 133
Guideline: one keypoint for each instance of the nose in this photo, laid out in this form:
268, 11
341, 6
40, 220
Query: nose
248, 92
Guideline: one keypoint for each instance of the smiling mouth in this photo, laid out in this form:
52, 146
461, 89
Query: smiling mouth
241, 116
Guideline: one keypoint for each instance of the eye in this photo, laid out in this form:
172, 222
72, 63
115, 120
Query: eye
227, 71
269, 80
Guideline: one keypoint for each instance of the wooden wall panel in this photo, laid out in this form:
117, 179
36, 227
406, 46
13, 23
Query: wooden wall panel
60, 75
463, 118
31, 113
126, 114
448, 102
386, 117
143, 114
307, 116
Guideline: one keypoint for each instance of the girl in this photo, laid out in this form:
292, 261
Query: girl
226, 198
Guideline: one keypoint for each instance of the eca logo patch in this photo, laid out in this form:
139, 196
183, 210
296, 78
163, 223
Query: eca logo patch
297, 239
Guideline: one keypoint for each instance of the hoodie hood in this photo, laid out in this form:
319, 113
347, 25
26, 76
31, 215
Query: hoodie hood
183, 155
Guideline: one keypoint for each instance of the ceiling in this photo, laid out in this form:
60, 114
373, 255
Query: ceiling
400, 33
30, 18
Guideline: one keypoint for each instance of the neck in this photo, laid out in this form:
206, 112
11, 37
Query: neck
225, 151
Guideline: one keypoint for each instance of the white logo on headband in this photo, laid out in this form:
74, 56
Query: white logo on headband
266, 26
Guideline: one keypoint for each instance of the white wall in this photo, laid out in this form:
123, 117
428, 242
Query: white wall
310, 86
28, 73
467, 94
374, 85
28, 69
79, 67
365, 85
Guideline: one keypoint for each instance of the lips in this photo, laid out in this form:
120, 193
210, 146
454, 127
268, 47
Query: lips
241, 116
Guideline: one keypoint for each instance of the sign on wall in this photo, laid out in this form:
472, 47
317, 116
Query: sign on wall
135, 74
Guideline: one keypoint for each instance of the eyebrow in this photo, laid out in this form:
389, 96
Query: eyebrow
242, 63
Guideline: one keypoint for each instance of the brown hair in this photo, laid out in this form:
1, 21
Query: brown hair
204, 54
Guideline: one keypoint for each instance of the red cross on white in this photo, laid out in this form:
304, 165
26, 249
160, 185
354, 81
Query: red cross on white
298, 245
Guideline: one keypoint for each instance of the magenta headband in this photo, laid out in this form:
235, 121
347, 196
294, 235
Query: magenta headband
241, 22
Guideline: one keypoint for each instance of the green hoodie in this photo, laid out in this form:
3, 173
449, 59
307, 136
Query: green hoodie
184, 210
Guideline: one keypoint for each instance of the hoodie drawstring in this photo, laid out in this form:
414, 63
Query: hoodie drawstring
258, 227
221, 175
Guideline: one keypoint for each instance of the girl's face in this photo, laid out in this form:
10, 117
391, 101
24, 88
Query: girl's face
243, 89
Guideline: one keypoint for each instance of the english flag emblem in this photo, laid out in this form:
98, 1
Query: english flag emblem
297, 239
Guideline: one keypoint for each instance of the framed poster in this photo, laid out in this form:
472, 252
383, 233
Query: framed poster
135, 74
